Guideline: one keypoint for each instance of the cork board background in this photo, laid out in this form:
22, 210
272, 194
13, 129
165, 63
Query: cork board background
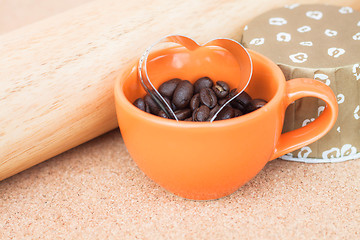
95, 191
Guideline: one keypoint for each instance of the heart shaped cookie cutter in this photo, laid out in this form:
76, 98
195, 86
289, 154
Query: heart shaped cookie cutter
240, 54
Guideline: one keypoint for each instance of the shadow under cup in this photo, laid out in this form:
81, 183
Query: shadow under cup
202, 160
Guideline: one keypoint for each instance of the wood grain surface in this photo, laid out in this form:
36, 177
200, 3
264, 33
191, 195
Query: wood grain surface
18, 13
56, 76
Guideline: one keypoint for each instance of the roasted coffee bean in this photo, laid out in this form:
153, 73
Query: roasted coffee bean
222, 101
208, 97
167, 88
237, 105
233, 92
221, 89
195, 102
201, 83
255, 104
237, 112
162, 114
201, 114
140, 104
183, 113
189, 105
227, 113
240, 101
244, 98
147, 108
183, 94
154, 108
213, 111
170, 103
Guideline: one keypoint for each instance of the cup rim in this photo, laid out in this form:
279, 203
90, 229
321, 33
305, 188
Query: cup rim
121, 99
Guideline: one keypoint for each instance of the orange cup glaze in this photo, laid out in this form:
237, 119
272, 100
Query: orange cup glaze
203, 160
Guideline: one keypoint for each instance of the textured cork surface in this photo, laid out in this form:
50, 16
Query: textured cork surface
96, 191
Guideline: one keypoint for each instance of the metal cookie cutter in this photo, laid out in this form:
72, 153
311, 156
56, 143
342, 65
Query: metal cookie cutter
236, 49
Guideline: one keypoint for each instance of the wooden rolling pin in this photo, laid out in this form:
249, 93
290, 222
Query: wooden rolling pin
56, 76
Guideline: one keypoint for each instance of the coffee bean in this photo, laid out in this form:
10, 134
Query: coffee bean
140, 103
208, 97
240, 101
201, 114
226, 113
222, 101
255, 104
170, 103
162, 114
183, 94
189, 105
221, 89
243, 98
201, 83
233, 92
167, 88
181, 114
154, 108
213, 111
237, 105
237, 112
147, 108
195, 102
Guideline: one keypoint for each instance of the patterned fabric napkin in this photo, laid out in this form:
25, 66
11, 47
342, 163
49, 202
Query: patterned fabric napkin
320, 42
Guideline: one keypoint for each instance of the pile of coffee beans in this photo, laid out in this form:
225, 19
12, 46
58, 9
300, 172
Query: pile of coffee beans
200, 101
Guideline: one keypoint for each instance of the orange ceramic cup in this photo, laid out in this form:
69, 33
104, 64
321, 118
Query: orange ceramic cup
203, 160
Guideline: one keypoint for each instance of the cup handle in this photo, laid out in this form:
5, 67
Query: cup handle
295, 139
